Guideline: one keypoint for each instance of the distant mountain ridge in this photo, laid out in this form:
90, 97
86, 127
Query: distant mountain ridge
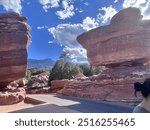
41, 64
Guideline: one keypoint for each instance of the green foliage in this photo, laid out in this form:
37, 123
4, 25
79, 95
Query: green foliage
63, 70
67, 70
57, 71
28, 77
88, 70
30, 83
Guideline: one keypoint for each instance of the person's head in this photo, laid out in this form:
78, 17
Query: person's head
143, 88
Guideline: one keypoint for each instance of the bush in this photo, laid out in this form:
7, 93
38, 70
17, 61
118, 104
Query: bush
67, 70
63, 70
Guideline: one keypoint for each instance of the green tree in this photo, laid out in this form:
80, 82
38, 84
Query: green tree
57, 71
63, 70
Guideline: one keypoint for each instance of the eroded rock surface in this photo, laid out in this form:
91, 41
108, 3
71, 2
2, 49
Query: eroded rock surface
14, 40
125, 40
123, 47
12, 96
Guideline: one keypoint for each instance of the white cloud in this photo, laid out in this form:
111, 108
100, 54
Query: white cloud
144, 6
109, 12
49, 4
133, 3
115, 1
67, 7
66, 34
42, 27
68, 10
12, 5
86, 3
77, 55
80, 10
50, 42
89, 23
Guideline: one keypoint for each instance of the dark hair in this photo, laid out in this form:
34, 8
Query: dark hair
143, 88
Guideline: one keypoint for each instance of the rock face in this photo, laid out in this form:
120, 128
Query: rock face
57, 85
111, 85
38, 82
124, 41
123, 48
10, 97
14, 40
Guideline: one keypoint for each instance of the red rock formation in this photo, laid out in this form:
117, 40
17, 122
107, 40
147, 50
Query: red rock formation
110, 85
12, 96
123, 47
57, 85
15, 38
125, 40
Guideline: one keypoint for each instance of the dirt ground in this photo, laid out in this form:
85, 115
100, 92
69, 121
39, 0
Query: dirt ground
10, 108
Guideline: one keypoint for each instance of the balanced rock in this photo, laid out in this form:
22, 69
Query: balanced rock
124, 41
14, 40
123, 48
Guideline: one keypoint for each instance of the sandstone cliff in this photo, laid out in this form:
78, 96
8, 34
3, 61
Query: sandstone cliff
14, 40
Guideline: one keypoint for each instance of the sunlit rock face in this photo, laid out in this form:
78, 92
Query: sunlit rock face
125, 41
14, 40
123, 47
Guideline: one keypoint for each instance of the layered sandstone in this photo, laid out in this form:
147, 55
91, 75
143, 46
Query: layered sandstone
123, 47
124, 41
14, 40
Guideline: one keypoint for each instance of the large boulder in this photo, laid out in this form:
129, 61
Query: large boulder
14, 40
125, 40
12, 96
123, 48
57, 85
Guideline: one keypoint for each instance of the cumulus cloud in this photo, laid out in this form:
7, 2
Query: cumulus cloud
65, 8
76, 55
66, 34
89, 23
49, 4
144, 6
12, 5
109, 12
68, 10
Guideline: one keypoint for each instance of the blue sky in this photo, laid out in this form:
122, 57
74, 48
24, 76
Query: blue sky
56, 23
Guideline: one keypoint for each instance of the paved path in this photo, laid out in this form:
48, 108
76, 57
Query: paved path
80, 105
